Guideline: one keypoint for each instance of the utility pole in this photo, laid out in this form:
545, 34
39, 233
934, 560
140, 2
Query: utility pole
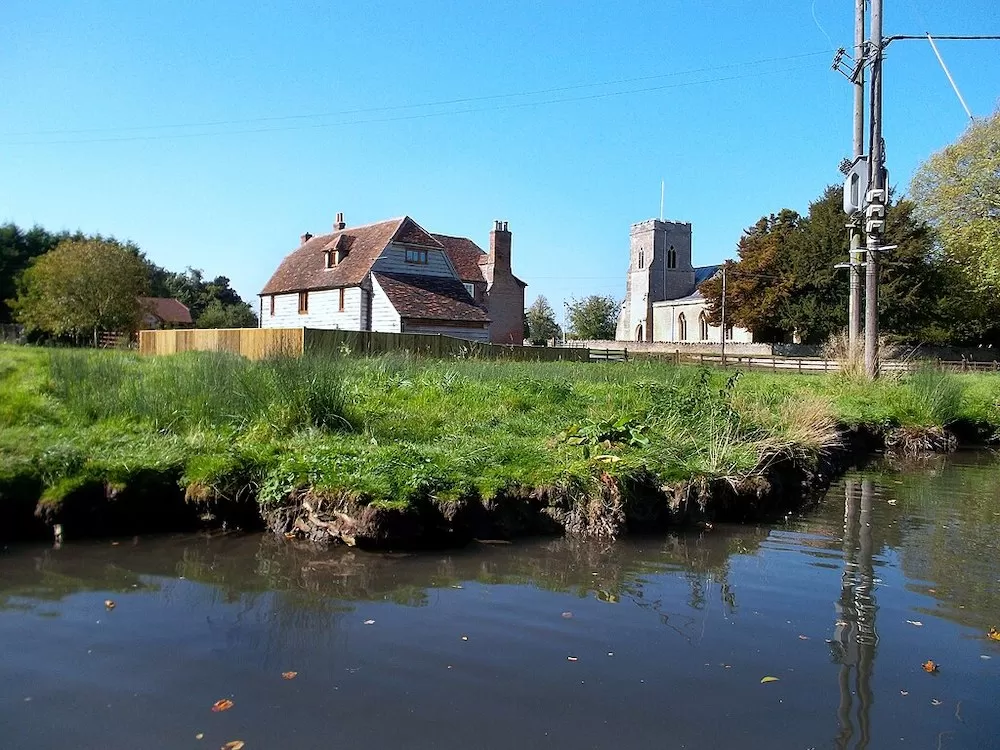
876, 198
854, 305
725, 265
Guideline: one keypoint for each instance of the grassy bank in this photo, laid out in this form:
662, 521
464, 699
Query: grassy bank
394, 433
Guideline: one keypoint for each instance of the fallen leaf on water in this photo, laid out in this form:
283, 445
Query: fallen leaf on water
567, 615
803, 637
768, 679
994, 634
935, 702
904, 692
369, 622
289, 675
984, 656
570, 658
915, 622
455, 586
465, 637
200, 736
930, 667
222, 705
109, 604
234, 745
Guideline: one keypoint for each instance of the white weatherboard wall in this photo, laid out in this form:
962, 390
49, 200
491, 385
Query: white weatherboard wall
393, 260
324, 310
384, 315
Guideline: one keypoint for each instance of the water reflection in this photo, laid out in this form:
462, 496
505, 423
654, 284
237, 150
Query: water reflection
692, 621
855, 636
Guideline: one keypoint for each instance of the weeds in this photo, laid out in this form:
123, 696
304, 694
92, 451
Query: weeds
398, 429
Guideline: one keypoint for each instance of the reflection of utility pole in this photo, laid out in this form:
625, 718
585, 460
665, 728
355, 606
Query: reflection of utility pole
855, 636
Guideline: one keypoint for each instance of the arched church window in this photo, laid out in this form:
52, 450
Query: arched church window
703, 326
671, 257
638, 333
682, 328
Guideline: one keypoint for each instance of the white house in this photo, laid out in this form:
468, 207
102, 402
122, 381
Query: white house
396, 277
662, 299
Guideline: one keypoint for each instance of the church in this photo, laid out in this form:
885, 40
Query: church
662, 300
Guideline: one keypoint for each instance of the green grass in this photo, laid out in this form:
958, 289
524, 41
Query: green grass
392, 430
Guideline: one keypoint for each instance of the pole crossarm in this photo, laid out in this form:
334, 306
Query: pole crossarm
886, 41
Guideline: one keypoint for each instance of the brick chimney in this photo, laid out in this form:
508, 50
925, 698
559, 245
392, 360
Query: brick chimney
339, 224
304, 238
499, 256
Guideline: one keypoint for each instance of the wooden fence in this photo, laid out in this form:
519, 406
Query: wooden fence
260, 343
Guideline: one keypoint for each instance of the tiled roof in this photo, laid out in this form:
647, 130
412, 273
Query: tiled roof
167, 309
305, 268
704, 273
430, 297
465, 255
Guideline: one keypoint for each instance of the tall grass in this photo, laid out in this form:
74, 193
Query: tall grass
395, 428
200, 390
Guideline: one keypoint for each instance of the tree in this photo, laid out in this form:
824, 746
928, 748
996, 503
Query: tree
541, 322
17, 249
785, 280
218, 315
957, 191
759, 282
210, 302
593, 318
81, 288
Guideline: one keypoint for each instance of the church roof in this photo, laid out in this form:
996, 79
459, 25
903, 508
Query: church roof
703, 274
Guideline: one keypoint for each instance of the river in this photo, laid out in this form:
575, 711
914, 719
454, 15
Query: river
544, 643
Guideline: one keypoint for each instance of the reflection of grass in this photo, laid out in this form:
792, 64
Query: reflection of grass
394, 430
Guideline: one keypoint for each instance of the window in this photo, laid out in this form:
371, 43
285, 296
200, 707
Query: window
671, 257
414, 255
682, 328
703, 326
642, 259
729, 333
340, 302
303, 303
331, 259
272, 304
470, 288
638, 333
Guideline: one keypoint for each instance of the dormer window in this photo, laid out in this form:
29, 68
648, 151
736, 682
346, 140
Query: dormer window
416, 255
470, 288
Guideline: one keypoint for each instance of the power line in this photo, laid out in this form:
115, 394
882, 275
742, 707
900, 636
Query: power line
422, 115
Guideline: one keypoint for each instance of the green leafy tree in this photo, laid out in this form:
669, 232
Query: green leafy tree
593, 318
81, 288
211, 302
18, 247
541, 322
785, 280
219, 315
957, 190
759, 283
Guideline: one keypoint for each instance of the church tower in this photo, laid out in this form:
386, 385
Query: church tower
659, 269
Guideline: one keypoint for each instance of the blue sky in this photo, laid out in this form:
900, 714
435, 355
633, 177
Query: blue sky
214, 133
